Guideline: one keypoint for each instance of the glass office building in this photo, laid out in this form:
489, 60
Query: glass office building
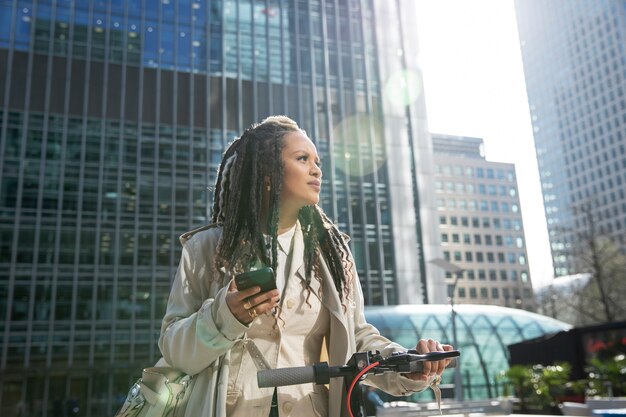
575, 69
113, 118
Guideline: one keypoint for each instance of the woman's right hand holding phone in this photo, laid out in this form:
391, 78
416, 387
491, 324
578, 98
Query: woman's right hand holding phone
247, 304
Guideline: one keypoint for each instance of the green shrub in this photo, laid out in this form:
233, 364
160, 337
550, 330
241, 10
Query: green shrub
607, 377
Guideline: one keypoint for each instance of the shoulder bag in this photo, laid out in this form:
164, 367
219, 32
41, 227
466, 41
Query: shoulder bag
161, 391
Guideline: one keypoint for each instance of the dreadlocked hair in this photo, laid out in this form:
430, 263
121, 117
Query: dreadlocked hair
247, 165
321, 237
238, 205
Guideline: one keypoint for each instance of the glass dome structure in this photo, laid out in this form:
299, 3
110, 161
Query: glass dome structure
483, 335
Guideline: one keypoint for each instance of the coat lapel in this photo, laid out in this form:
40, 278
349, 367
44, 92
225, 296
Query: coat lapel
330, 298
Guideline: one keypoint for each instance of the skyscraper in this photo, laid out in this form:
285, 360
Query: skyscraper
113, 118
575, 67
481, 226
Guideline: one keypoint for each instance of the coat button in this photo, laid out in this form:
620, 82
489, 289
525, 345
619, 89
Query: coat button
290, 303
287, 407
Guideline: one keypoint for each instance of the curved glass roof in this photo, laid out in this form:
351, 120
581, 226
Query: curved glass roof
483, 334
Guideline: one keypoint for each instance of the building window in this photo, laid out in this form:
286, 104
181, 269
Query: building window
524, 276
512, 258
472, 292
495, 293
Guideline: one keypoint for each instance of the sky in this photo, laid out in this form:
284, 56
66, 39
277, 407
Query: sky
474, 86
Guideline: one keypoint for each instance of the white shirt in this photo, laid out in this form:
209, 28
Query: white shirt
294, 338
285, 241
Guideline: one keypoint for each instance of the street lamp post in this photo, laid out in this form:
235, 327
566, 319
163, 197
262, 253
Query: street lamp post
458, 383
456, 272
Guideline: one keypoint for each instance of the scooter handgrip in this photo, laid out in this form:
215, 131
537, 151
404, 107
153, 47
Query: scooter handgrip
285, 376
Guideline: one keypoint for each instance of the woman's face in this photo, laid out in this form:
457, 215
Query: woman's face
302, 174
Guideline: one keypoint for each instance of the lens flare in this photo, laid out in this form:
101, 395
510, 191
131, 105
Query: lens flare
358, 145
403, 88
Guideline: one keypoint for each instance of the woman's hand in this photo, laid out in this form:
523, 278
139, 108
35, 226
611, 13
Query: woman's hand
431, 368
246, 305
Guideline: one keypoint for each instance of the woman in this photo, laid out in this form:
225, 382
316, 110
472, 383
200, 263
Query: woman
266, 214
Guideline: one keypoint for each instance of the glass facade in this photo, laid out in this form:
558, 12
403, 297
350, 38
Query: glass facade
113, 118
575, 70
483, 335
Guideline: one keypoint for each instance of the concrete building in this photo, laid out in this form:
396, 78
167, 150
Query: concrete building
575, 68
113, 118
480, 225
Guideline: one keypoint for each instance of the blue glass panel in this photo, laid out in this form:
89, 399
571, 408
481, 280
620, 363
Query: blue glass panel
151, 44
5, 24
23, 24
183, 52
166, 51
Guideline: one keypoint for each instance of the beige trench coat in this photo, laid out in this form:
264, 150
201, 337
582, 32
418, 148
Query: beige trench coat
199, 330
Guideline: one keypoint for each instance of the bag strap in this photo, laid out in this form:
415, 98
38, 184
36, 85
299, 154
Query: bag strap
257, 357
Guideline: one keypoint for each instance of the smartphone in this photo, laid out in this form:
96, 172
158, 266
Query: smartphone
263, 277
